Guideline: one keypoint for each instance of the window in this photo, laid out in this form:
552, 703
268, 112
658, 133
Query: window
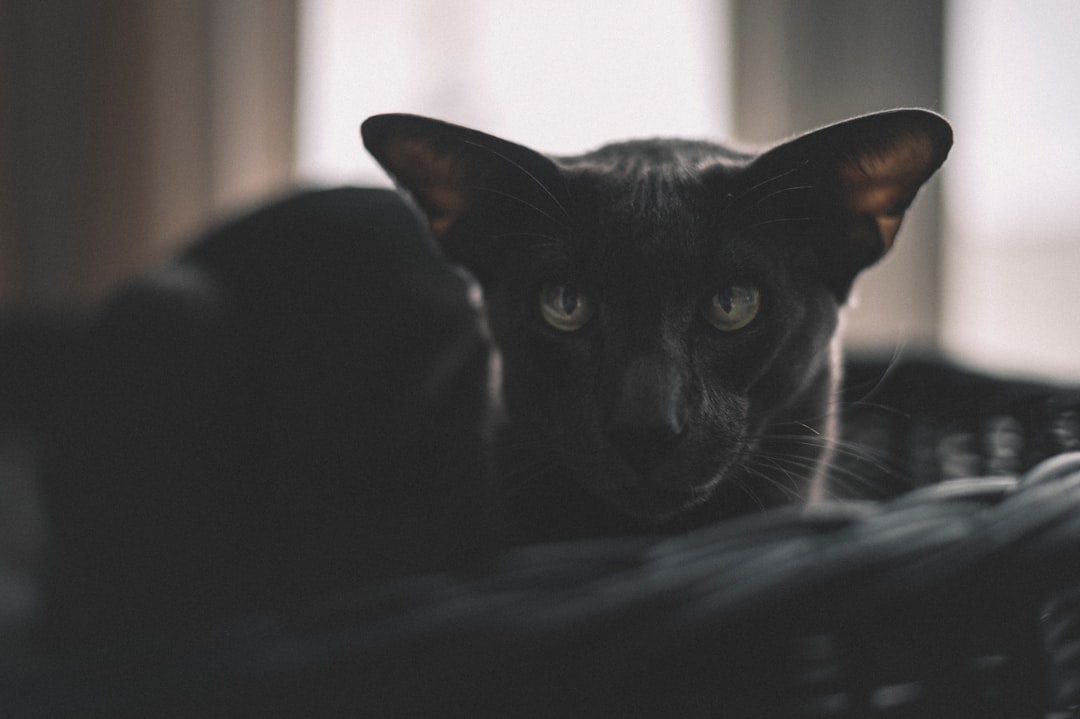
996, 288
1012, 187
561, 76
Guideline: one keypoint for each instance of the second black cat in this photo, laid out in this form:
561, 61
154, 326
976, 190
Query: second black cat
664, 310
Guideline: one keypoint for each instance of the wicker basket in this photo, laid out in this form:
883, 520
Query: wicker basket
958, 600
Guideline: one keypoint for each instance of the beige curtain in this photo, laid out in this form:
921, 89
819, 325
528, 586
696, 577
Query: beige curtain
127, 125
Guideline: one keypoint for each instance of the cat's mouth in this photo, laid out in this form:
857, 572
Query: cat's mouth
664, 492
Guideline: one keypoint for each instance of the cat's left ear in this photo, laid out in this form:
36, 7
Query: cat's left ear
453, 171
870, 169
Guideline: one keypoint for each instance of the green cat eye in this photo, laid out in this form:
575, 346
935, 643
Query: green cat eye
565, 307
733, 307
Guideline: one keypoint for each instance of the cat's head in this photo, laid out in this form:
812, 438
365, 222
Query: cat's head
664, 308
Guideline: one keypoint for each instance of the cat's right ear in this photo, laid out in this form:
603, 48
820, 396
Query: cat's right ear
451, 170
864, 174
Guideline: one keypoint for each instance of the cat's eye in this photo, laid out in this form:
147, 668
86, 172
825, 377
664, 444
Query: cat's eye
565, 307
733, 307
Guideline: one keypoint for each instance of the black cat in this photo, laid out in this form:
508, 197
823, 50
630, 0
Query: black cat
301, 402
664, 310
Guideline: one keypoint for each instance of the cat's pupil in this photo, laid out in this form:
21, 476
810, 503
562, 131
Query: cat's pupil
733, 307
726, 300
568, 299
564, 307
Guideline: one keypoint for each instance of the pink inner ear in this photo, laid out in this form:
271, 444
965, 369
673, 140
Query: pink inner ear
435, 180
881, 183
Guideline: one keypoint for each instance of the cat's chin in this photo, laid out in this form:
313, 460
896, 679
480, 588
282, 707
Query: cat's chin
651, 504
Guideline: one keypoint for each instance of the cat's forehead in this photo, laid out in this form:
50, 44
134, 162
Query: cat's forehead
642, 180
655, 157
649, 214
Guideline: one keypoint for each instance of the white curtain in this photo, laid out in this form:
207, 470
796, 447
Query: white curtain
559, 75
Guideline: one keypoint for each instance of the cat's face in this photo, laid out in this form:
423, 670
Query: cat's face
664, 309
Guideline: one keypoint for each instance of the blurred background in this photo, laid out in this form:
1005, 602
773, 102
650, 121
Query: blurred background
126, 126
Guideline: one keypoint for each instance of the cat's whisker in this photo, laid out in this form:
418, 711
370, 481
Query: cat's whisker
793, 488
878, 406
532, 206
541, 242
854, 451
757, 466
873, 456
894, 361
767, 181
843, 482
780, 220
525, 171
851, 476
427, 187
775, 193
745, 488
840, 408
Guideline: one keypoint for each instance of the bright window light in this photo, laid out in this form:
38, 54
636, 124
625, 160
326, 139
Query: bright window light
1012, 186
560, 76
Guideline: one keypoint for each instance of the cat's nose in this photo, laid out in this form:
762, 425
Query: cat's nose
645, 446
649, 415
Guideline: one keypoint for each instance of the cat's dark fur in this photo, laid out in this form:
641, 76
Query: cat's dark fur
642, 415
301, 401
